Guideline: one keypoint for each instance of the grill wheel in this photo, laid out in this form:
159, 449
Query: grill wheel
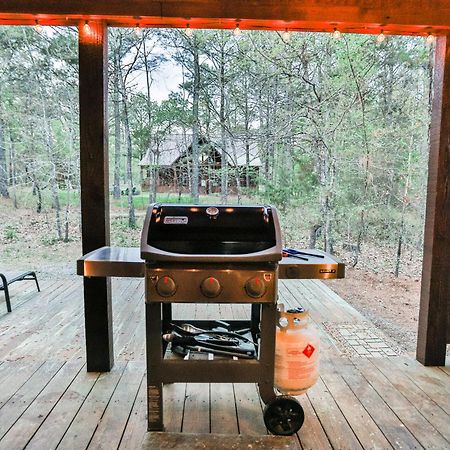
283, 415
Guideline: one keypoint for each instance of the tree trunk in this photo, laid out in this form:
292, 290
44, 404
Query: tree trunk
67, 212
36, 190
3, 167
131, 212
247, 138
195, 177
154, 155
326, 179
39, 195
405, 203
68, 183
12, 159
53, 178
237, 173
313, 233
224, 159
117, 134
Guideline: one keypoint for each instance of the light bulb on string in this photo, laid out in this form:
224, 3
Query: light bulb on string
337, 34
38, 27
188, 31
430, 39
381, 37
237, 31
86, 28
286, 36
138, 30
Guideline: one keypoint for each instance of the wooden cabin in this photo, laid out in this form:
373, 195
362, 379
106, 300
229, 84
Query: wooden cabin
172, 159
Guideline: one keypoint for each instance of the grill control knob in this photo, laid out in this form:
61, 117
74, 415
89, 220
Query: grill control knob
255, 287
210, 287
166, 287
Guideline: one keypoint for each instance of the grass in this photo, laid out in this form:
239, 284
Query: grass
26, 199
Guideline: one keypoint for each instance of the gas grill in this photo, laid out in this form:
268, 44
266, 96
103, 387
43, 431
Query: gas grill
210, 254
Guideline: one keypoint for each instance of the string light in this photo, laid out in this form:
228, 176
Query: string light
286, 36
337, 34
188, 31
381, 37
137, 30
38, 27
430, 39
237, 31
86, 28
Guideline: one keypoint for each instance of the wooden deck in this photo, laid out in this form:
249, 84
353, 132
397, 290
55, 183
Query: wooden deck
369, 394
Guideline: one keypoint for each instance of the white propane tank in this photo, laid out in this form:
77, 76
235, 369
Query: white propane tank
296, 352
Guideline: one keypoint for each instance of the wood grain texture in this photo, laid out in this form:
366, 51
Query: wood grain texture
56, 404
187, 441
93, 64
93, 76
434, 315
364, 15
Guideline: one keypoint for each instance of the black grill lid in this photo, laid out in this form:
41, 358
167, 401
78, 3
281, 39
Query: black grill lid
211, 233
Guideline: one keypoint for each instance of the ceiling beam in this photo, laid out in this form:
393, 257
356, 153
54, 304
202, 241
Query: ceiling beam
362, 16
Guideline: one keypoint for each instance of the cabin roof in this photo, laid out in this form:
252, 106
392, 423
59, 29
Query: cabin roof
175, 145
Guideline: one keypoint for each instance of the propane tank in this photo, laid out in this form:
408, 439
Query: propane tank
296, 352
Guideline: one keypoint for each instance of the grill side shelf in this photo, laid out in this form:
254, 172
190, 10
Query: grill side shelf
127, 262
112, 262
322, 267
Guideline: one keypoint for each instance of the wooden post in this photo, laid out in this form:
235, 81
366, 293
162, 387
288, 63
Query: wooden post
434, 315
93, 61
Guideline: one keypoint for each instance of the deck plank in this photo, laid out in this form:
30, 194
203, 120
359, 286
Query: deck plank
312, 435
45, 402
393, 429
363, 426
22, 399
223, 409
430, 379
137, 422
407, 412
249, 411
51, 308
189, 441
174, 395
427, 407
13, 375
113, 422
196, 409
61, 416
82, 428
28, 423
333, 421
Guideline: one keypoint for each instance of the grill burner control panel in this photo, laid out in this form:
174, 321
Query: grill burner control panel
197, 285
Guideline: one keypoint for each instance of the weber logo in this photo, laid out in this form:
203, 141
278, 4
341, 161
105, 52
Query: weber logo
176, 220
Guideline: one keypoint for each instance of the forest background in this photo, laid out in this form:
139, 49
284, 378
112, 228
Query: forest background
341, 128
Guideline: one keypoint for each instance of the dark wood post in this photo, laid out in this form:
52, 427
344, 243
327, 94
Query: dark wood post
434, 315
93, 60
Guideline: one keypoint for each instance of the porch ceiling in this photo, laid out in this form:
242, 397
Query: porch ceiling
356, 16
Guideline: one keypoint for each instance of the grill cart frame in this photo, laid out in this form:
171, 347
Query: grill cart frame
214, 254
162, 370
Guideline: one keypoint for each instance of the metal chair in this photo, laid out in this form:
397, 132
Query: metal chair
7, 278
